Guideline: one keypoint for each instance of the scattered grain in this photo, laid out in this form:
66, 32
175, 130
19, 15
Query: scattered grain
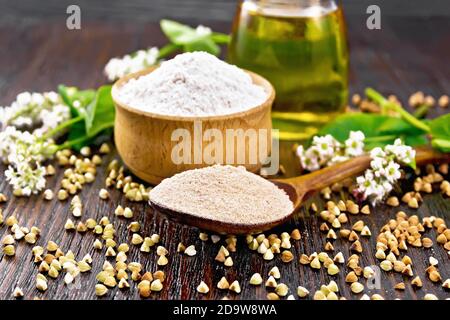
351, 277
203, 288
281, 290
190, 251
103, 194
430, 296
272, 296
356, 287
234, 286
223, 283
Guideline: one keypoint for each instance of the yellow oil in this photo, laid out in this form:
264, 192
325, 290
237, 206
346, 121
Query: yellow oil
303, 52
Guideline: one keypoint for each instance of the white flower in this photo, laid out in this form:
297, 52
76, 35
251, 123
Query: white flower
300, 152
365, 181
26, 178
52, 118
401, 152
7, 139
377, 164
357, 135
24, 152
118, 67
152, 56
377, 153
385, 170
326, 151
326, 146
203, 31
115, 68
387, 187
23, 98
337, 159
53, 97
309, 159
27, 107
370, 187
392, 172
28, 148
37, 98
354, 145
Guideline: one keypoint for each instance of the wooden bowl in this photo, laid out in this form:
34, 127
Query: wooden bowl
143, 139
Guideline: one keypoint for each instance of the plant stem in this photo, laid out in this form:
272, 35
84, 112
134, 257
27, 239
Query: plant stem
22, 112
421, 111
410, 118
62, 126
441, 144
387, 105
220, 38
70, 143
376, 97
167, 50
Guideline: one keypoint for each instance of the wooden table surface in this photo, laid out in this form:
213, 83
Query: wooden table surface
408, 54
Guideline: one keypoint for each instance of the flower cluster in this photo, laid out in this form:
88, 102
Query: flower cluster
384, 172
119, 67
24, 153
30, 110
25, 179
25, 138
378, 181
326, 150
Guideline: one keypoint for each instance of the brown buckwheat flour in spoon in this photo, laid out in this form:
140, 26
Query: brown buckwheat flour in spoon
223, 193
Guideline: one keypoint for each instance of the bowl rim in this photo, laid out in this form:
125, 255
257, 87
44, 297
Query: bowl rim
260, 80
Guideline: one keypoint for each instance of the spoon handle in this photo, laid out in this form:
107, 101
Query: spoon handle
323, 178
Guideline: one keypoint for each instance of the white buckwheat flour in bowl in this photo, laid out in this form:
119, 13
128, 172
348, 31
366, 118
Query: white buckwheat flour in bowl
193, 84
223, 193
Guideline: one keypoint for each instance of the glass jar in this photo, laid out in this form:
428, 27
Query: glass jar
300, 46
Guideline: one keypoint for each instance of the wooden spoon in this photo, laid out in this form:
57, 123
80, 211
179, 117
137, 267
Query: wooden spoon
297, 188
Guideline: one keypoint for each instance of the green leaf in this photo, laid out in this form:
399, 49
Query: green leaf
168, 49
72, 94
100, 112
97, 109
69, 95
202, 45
178, 33
189, 40
415, 140
441, 144
440, 127
220, 38
386, 105
379, 130
440, 131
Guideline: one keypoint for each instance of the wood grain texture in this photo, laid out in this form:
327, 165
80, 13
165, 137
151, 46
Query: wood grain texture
407, 55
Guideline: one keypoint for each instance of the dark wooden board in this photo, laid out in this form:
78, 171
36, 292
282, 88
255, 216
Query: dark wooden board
144, 11
408, 54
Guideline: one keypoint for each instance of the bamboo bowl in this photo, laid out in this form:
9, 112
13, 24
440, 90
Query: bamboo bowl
143, 139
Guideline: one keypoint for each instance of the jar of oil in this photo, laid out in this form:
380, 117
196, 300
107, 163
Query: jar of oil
300, 46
